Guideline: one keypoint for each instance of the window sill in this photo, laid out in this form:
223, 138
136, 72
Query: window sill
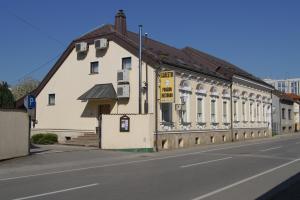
51, 105
201, 123
93, 73
185, 123
214, 123
167, 123
226, 123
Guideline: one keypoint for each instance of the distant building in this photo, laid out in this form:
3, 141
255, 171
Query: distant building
282, 113
296, 99
286, 85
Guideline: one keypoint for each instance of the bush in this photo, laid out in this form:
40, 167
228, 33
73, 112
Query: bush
48, 138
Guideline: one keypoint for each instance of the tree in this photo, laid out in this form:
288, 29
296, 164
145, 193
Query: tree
6, 97
24, 87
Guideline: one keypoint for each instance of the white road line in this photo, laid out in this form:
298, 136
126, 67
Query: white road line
269, 149
58, 191
131, 162
244, 180
204, 162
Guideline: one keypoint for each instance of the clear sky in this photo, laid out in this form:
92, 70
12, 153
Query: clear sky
260, 36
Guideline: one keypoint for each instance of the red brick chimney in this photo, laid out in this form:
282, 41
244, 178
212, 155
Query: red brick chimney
120, 22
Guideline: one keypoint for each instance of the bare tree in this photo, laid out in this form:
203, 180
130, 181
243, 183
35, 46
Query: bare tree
24, 87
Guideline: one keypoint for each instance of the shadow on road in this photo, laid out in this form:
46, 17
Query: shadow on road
287, 190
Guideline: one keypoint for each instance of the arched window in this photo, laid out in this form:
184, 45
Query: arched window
226, 93
185, 93
200, 89
236, 93
244, 94
185, 85
214, 91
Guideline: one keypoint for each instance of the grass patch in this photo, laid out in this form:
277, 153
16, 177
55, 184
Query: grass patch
48, 138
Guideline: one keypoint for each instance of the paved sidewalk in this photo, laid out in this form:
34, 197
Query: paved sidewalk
58, 148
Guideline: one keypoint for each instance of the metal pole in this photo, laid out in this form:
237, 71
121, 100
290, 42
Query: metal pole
140, 69
231, 117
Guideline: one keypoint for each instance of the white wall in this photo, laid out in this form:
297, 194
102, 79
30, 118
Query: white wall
13, 133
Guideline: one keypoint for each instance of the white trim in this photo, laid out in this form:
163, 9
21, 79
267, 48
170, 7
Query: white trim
249, 81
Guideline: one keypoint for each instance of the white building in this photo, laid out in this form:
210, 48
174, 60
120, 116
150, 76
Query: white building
286, 85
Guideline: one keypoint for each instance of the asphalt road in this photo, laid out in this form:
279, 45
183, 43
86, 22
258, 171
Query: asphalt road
258, 169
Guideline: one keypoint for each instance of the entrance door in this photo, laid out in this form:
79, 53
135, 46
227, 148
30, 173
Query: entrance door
102, 109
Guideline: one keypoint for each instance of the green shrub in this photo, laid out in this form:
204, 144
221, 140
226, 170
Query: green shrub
48, 138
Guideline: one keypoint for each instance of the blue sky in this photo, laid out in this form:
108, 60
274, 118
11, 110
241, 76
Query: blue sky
261, 36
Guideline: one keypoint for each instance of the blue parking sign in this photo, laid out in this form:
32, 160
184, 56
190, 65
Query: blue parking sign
29, 102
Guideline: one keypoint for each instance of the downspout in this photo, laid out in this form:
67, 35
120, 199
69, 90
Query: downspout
231, 116
271, 113
146, 106
140, 69
156, 109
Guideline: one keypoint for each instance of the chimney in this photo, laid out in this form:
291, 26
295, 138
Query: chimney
120, 22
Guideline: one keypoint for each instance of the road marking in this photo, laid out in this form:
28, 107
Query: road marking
58, 191
134, 162
269, 149
297, 142
204, 162
244, 180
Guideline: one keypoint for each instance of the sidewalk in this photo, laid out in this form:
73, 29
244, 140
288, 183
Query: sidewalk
58, 148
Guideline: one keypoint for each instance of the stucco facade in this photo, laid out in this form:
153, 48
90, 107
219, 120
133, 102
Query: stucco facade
210, 106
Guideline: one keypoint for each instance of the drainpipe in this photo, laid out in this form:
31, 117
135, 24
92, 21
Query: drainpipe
231, 115
140, 69
146, 105
156, 109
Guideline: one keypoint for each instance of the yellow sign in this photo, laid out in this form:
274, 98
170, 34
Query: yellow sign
167, 86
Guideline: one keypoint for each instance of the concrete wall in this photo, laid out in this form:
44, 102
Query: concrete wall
140, 135
13, 134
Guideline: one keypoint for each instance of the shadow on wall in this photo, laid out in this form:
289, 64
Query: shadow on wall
101, 52
92, 108
288, 189
81, 55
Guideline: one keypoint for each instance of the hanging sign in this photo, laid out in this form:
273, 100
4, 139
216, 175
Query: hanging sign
167, 86
124, 123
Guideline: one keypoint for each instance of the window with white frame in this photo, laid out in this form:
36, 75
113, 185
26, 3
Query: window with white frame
213, 110
235, 108
251, 111
243, 110
185, 93
200, 117
166, 112
225, 119
257, 112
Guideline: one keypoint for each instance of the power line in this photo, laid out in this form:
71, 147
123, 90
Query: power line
37, 68
24, 21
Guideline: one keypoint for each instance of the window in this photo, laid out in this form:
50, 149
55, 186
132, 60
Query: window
51, 99
257, 112
251, 111
94, 68
213, 110
199, 109
243, 111
283, 113
184, 114
235, 111
225, 111
166, 112
126, 63
290, 114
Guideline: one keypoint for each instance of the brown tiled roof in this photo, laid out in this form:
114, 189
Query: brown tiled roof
293, 96
156, 53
